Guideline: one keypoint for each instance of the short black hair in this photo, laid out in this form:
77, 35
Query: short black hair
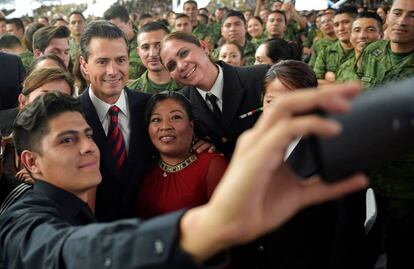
153, 26
32, 122
76, 12
234, 13
17, 22
9, 41
371, 15
168, 95
43, 36
190, 2
279, 49
99, 29
181, 15
349, 10
116, 12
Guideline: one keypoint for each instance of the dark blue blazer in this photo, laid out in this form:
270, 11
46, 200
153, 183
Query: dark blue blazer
12, 74
116, 195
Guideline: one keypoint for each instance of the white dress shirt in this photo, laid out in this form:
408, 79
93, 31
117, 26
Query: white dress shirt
217, 89
102, 108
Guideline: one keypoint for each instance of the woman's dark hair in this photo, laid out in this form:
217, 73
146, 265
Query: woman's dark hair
257, 18
240, 48
279, 49
168, 95
292, 74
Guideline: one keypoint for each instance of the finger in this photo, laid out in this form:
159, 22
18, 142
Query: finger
316, 191
334, 98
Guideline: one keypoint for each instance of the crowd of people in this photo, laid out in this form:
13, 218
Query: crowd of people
138, 140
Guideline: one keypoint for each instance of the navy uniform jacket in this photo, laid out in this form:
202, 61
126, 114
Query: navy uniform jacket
52, 228
242, 92
116, 195
12, 74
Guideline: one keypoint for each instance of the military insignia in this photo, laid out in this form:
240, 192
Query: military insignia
377, 52
366, 79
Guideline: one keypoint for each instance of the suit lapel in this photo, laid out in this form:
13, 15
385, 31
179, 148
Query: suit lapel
233, 93
98, 132
203, 113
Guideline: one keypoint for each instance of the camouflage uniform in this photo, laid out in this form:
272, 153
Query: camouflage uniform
331, 58
215, 32
393, 183
377, 66
74, 48
292, 32
347, 71
201, 31
144, 84
257, 41
318, 47
249, 52
136, 67
27, 58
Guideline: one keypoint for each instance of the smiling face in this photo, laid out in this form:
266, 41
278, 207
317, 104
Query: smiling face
229, 53
364, 30
107, 67
149, 49
401, 24
68, 157
254, 28
343, 27
188, 64
171, 131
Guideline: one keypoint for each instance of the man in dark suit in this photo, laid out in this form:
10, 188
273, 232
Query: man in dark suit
11, 78
104, 59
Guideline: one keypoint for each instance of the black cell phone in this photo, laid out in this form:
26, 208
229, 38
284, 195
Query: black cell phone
379, 128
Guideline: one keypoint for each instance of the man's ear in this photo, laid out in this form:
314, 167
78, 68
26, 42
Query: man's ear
84, 65
22, 101
37, 53
29, 160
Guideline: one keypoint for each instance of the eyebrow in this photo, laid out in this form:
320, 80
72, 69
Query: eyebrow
74, 132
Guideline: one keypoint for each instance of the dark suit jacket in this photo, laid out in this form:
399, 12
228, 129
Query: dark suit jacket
242, 92
12, 74
116, 195
7, 118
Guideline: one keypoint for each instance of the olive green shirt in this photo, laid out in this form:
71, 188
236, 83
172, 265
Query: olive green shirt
347, 71
136, 67
377, 66
331, 58
27, 58
144, 84
319, 46
74, 49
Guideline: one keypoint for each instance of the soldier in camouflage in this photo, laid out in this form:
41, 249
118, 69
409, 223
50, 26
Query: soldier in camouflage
11, 44
201, 31
156, 78
234, 29
119, 16
76, 27
366, 28
328, 61
381, 62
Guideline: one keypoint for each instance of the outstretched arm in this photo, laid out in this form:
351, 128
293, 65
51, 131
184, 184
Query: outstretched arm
258, 192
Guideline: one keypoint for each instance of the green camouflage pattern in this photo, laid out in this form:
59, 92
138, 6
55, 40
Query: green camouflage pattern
145, 85
347, 71
27, 58
377, 68
331, 58
136, 67
319, 46
74, 48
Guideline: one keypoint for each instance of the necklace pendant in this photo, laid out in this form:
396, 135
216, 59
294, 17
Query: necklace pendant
164, 174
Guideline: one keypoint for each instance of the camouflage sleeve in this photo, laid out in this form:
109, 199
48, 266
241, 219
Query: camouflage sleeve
320, 64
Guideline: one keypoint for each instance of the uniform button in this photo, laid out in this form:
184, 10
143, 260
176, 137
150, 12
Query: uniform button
159, 247
107, 262
224, 140
260, 248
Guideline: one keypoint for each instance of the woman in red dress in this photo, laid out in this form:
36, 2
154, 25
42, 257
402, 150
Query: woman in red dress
180, 178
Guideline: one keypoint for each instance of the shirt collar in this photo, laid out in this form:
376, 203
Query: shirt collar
217, 88
103, 107
71, 205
